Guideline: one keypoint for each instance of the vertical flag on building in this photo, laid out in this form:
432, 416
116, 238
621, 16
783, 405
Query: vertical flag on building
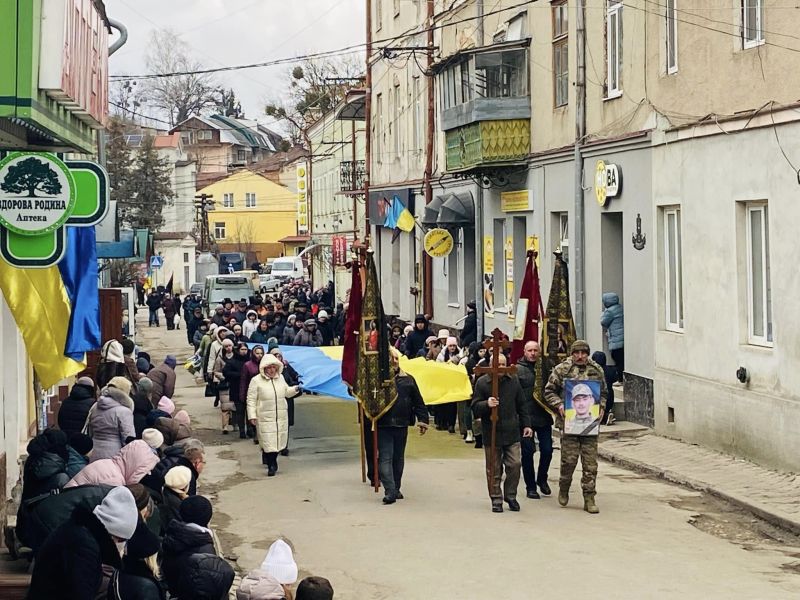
351, 327
529, 309
374, 383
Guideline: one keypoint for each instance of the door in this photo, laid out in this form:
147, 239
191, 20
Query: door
611, 251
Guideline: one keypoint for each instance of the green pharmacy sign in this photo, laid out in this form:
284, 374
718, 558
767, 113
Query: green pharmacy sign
39, 196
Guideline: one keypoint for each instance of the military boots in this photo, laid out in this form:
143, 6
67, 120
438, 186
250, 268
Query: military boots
589, 506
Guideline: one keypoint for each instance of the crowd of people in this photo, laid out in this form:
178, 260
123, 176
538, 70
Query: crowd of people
110, 505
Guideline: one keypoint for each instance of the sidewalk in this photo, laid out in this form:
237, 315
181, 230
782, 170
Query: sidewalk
771, 495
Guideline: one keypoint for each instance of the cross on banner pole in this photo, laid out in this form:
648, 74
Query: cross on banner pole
495, 345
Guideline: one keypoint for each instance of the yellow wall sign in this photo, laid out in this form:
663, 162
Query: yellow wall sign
438, 243
607, 182
516, 201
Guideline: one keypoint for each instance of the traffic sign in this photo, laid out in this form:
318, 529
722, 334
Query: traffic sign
156, 262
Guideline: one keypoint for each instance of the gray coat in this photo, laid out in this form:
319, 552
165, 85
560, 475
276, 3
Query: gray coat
111, 423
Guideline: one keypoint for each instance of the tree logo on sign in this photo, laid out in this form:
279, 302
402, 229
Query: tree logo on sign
29, 176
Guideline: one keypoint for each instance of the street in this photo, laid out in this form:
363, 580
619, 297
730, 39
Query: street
650, 540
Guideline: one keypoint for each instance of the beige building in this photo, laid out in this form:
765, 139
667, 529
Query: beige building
690, 144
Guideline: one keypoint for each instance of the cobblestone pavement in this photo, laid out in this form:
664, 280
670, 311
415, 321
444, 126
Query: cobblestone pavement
772, 495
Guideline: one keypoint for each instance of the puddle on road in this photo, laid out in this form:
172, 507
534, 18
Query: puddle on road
727, 522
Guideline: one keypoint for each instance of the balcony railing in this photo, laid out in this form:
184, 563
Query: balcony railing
351, 175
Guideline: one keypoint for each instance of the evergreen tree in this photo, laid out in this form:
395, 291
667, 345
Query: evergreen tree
153, 189
119, 164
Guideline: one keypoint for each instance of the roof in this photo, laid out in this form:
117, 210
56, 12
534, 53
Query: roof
294, 239
124, 248
238, 132
277, 161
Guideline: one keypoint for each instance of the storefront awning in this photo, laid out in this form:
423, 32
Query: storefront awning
450, 210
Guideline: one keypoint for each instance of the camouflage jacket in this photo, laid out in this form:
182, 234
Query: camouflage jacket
554, 389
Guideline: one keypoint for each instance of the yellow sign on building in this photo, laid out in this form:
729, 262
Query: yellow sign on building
516, 201
438, 243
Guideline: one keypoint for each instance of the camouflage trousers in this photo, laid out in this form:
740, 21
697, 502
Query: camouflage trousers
573, 447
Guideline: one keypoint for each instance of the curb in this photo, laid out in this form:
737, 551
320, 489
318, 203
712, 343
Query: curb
770, 515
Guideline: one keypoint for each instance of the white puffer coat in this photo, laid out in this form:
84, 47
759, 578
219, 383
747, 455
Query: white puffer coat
266, 402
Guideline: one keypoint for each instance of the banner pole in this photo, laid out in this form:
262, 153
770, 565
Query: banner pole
363, 450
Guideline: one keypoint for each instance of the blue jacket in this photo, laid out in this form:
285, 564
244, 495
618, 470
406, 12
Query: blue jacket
612, 320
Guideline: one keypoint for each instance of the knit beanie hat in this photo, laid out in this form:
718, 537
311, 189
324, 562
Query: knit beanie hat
117, 512
128, 346
112, 352
140, 495
170, 361
452, 341
144, 543
196, 509
182, 417
273, 345
279, 563
145, 384
87, 381
123, 384
166, 404
579, 345
81, 443
178, 479
153, 437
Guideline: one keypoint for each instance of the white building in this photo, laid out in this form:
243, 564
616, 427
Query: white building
177, 249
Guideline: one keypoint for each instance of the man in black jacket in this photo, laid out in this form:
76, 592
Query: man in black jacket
416, 339
541, 423
513, 416
74, 410
393, 431
469, 333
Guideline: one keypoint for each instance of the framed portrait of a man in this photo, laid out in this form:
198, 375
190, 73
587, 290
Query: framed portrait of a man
581, 407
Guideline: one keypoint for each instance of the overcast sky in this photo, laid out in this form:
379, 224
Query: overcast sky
231, 32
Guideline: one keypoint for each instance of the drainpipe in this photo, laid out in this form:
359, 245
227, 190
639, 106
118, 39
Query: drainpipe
427, 264
123, 36
580, 133
480, 23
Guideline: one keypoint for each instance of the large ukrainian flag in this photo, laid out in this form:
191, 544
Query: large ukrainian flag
57, 309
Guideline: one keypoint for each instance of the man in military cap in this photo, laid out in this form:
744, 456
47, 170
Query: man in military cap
578, 366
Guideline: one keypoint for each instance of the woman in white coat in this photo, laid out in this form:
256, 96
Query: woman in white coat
267, 410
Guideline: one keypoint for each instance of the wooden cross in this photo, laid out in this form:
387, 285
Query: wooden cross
495, 345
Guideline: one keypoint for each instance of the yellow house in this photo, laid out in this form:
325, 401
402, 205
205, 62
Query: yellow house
251, 214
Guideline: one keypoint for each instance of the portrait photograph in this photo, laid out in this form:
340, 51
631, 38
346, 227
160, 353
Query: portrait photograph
581, 407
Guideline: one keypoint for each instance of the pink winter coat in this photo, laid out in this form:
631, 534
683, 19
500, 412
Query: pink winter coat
132, 463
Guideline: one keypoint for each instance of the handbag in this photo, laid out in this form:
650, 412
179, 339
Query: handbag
211, 389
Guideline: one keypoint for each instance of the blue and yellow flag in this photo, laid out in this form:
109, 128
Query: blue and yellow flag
398, 216
57, 309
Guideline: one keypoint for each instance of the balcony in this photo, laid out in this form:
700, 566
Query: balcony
351, 176
485, 106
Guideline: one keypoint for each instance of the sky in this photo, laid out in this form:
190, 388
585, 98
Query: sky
232, 32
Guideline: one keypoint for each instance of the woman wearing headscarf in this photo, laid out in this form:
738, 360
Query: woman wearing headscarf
112, 363
267, 409
249, 370
290, 330
232, 372
238, 335
225, 356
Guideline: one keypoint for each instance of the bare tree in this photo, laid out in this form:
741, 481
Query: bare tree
178, 96
245, 237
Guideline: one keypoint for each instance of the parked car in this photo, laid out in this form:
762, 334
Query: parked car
289, 267
196, 288
268, 283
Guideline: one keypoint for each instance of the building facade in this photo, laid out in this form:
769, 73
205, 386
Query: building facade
251, 214
681, 170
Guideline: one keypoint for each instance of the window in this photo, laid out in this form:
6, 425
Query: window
394, 127
502, 74
378, 138
227, 200
752, 23
563, 233
241, 155
378, 14
673, 269
186, 257
499, 264
186, 280
453, 287
205, 134
416, 92
671, 19
560, 54
219, 230
466, 84
187, 137
759, 291
249, 200
613, 48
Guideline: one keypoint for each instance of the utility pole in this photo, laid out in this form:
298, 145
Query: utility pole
580, 134
368, 125
203, 204
427, 261
479, 307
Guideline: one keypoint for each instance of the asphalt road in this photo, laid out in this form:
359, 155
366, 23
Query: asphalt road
650, 540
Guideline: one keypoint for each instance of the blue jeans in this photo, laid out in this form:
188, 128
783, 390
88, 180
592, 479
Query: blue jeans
391, 457
529, 473
153, 317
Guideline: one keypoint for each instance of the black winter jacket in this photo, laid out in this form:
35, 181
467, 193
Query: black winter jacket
416, 339
46, 465
512, 412
169, 508
181, 541
154, 480
207, 577
409, 407
527, 379
69, 564
136, 582
74, 410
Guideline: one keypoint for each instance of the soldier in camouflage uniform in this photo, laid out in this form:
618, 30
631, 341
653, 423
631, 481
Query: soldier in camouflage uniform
580, 367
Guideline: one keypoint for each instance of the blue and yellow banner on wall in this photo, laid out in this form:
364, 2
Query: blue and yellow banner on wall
48, 270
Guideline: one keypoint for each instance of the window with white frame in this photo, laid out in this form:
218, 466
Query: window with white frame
752, 23
205, 134
395, 126
759, 291
227, 200
671, 34
249, 200
378, 137
563, 233
560, 53
219, 230
416, 93
614, 48
378, 14
673, 270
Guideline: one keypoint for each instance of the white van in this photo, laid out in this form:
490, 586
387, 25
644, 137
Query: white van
219, 287
288, 267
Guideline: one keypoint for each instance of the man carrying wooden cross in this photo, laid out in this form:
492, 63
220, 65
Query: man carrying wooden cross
499, 403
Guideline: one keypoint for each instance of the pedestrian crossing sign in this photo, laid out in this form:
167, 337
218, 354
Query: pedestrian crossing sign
156, 262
